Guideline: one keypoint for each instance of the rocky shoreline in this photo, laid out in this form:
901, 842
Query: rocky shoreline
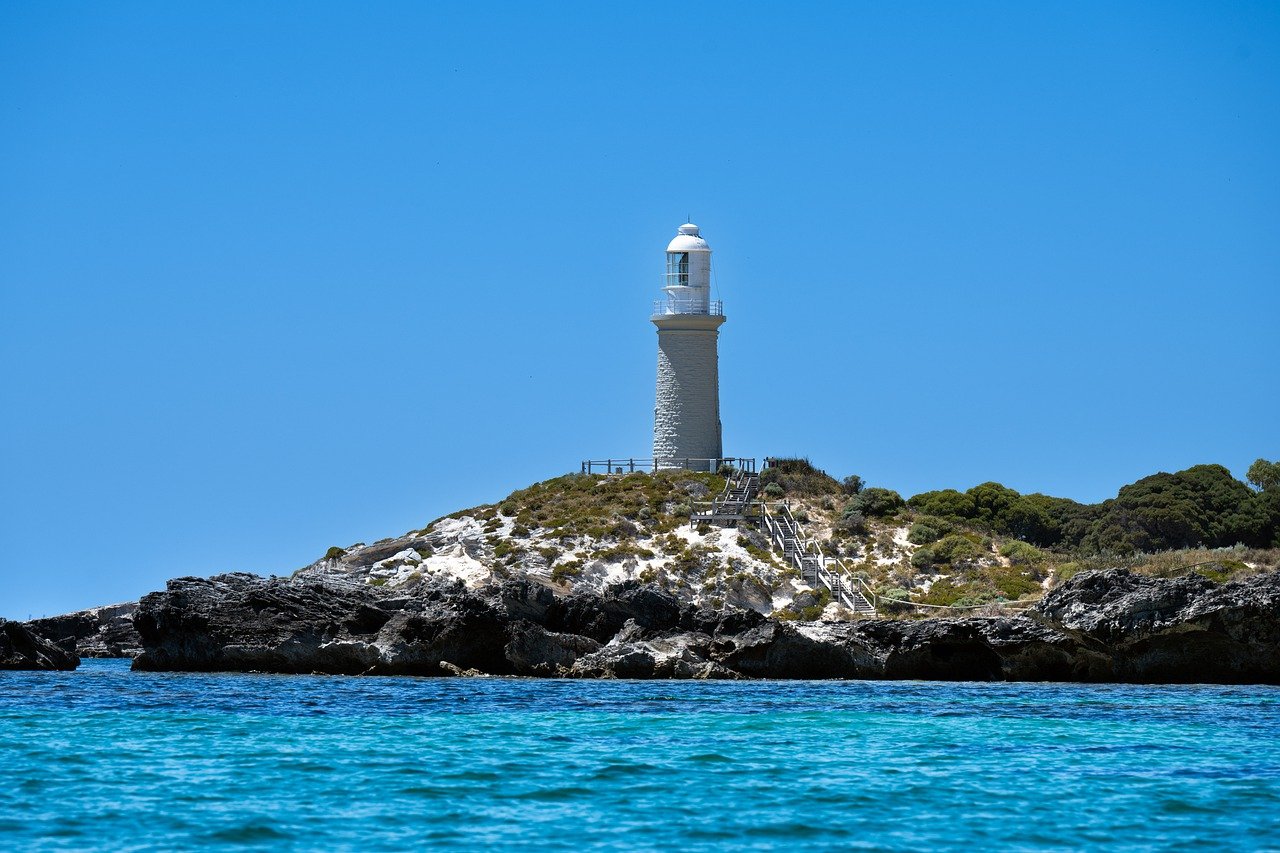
99, 632
21, 647
1107, 626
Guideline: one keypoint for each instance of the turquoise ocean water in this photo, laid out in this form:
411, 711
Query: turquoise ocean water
103, 758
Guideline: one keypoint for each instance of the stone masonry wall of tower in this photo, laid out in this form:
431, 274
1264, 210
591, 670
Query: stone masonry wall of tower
687, 414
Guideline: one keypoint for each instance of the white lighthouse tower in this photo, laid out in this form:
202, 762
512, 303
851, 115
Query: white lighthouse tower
686, 423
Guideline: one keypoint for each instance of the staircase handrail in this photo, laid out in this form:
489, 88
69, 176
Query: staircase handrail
782, 520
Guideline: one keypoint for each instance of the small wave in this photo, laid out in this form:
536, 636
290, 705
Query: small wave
249, 833
617, 771
555, 794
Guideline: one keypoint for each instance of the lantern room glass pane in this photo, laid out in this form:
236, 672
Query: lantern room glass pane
678, 268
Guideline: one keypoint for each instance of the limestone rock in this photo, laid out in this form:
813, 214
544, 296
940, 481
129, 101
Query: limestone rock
23, 648
100, 632
1110, 626
1179, 630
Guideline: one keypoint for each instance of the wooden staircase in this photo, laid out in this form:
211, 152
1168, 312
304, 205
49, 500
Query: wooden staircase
735, 503
815, 567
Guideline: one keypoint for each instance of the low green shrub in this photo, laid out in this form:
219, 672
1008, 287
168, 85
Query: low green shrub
566, 570
876, 502
1066, 571
956, 548
1020, 552
1012, 583
623, 551
922, 558
852, 521
902, 599
922, 534
335, 553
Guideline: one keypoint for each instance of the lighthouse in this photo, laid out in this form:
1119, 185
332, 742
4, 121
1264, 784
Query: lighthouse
686, 422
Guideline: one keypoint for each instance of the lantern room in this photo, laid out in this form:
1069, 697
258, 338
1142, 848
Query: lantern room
687, 283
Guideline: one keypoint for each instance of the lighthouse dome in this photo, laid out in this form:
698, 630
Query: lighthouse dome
688, 239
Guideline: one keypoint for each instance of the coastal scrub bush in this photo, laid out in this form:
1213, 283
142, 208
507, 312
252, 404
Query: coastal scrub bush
852, 521
852, 484
623, 551
773, 490
681, 510
566, 570
335, 553
947, 503
922, 534
944, 592
1012, 583
955, 549
1020, 552
895, 599
798, 477
1066, 572
876, 502
922, 558
759, 553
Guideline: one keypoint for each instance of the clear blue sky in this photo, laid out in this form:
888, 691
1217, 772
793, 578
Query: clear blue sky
283, 276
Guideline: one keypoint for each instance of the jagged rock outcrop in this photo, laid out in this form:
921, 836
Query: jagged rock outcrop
1101, 626
22, 648
99, 632
1186, 629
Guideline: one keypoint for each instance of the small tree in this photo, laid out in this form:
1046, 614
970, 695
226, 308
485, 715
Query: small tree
1265, 475
852, 484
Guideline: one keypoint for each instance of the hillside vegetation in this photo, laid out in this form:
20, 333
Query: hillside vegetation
991, 543
984, 546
